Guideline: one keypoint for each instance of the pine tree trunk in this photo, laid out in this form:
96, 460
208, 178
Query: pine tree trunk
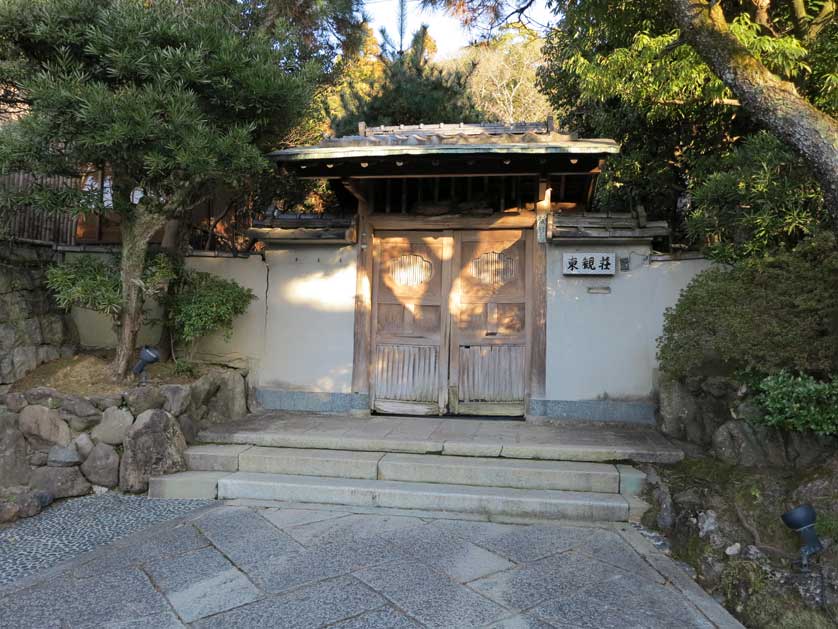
136, 230
774, 103
174, 243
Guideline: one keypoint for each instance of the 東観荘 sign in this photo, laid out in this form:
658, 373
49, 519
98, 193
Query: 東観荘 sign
589, 263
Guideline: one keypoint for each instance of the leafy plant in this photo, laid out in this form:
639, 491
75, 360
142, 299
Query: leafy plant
799, 402
204, 303
94, 282
763, 315
757, 197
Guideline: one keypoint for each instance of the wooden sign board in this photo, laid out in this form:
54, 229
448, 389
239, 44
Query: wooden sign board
588, 263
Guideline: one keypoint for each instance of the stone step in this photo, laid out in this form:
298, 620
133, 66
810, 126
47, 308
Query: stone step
454, 437
488, 501
424, 468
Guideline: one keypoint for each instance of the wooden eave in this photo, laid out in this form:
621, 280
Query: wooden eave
407, 166
592, 228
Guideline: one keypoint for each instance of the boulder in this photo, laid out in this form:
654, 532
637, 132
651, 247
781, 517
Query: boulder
81, 424
9, 511
60, 482
29, 332
677, 409
14, 452
78, 406
44, 396
37, 458
820, 489
740, 443
46, 354
24, 359
43, 427
188, 427
102, 466
230, 399
52, 328
141, 399
177, 398
153, 445
28, 504
111, 430
84, 445
8, 337
103, 402
15, 402
60, 456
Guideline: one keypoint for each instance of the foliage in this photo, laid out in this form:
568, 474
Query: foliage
622, 70
757, 197
203, 303
173, 99
94, 282
763, 315
799, 403
661, 136
502, 76
411, 89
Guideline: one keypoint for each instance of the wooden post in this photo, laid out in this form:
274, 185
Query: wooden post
363, 302
538, 353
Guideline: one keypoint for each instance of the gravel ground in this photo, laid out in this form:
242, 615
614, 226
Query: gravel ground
71, 527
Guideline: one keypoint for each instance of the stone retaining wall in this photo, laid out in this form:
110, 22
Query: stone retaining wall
32, 328
56, 445
720, 415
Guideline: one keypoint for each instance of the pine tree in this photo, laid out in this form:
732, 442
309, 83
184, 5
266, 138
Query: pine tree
172, 98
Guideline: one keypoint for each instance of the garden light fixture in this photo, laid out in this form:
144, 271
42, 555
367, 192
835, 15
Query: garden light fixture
148, 355
802, 519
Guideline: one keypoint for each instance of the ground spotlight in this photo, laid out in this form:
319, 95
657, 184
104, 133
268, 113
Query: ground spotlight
802, 519
148, 355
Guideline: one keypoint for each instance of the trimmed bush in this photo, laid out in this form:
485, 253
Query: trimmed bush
799, 402
761, 316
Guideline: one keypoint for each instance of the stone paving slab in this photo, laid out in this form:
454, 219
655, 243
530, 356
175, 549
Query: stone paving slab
201, 583
512, 439
300, 566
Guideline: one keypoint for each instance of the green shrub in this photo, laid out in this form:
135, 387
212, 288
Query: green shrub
799, 402
94, 282
764, 315
203, 303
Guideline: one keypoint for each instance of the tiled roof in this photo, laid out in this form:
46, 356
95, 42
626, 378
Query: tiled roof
530, 137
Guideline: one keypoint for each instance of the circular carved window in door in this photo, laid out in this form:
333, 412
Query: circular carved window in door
494, 268
410, 270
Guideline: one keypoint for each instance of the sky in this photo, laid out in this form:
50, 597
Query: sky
450, 36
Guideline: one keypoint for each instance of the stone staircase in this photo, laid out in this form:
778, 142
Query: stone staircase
490, 486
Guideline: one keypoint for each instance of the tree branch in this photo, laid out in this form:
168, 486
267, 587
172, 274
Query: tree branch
771, 101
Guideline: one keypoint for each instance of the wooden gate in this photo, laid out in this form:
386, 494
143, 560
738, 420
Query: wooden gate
450, 322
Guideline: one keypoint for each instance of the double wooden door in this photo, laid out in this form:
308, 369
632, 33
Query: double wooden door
450, 323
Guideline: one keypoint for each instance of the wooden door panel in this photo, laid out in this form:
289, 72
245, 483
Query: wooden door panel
491, 329
412, 280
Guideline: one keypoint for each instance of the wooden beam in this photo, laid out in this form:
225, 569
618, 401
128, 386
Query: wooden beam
301, 234
354, 188
523, 220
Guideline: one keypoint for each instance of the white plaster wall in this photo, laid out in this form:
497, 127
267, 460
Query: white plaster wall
246, 344
603, 346
308, 342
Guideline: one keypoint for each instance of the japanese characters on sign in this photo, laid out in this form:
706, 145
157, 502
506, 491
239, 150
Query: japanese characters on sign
587, 263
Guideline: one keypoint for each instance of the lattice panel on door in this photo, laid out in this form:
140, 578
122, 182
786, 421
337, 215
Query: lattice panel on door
407, 373
492, 373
